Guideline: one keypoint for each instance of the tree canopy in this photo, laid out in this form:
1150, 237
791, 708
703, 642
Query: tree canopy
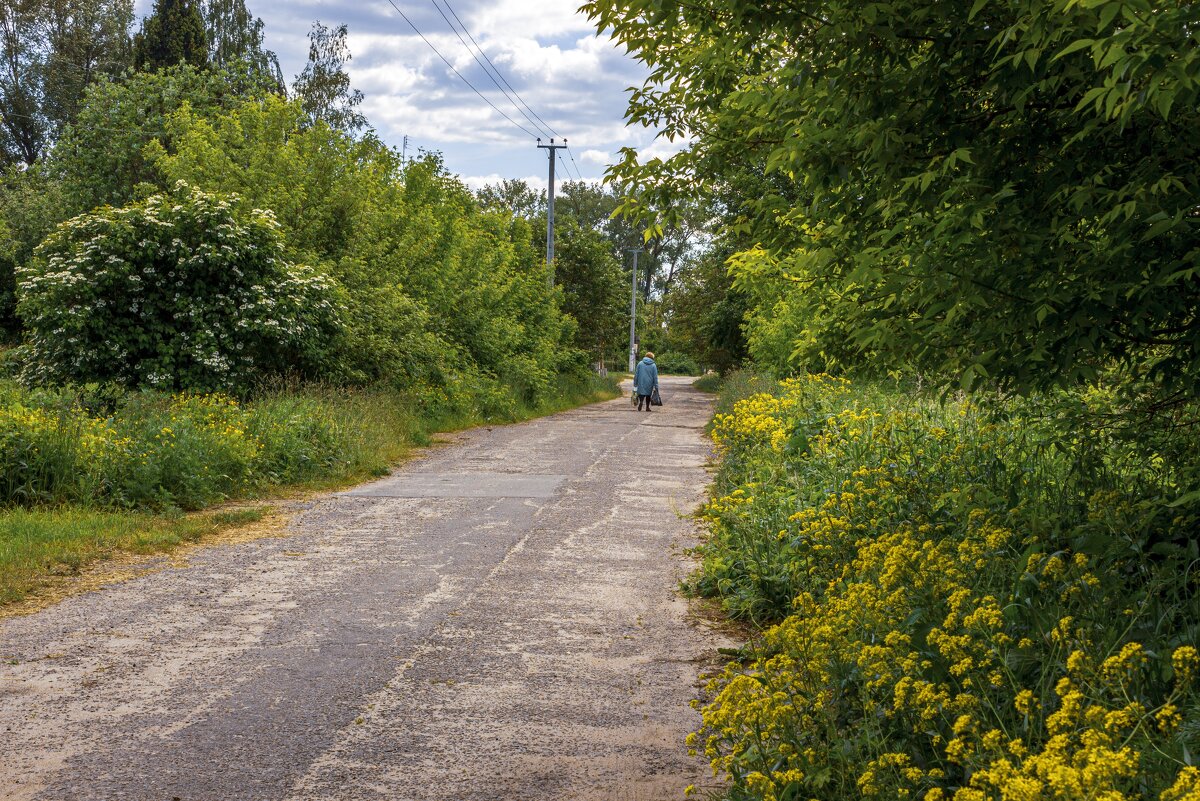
323, 87
1002, 189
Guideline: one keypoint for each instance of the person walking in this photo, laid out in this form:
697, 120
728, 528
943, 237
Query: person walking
645, 380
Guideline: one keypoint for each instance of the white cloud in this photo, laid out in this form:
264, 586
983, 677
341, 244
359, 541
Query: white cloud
573, 79
600, 157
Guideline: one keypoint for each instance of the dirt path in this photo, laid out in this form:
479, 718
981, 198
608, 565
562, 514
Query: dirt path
497, 620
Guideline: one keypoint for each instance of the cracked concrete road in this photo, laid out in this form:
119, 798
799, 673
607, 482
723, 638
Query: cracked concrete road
496, 620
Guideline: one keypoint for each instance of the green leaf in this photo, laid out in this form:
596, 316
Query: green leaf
1073, 47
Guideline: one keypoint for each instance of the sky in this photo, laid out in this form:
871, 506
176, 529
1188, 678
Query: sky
573, 80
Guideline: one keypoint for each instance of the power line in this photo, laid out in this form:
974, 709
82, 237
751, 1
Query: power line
566, 169
483, 67
497, 71
456, 72
572, 155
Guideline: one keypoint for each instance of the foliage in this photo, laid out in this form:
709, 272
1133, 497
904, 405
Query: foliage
30, 203
594, 292
970, 602
173, 34
986, 190
101, 156
183, 290
513, 196
435, 285
235, 40
50, 50
709, 382
107, 447
323, 88
673, 363
706, 314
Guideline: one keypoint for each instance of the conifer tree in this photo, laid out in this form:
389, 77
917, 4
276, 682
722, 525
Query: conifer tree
172, 34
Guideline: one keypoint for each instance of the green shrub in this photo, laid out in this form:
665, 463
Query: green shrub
709, 382
960, 602
182, 291
672, 363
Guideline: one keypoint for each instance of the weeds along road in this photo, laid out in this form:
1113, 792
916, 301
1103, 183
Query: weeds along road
496, 620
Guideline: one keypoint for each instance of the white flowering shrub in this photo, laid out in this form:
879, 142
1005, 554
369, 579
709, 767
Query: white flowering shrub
185, 290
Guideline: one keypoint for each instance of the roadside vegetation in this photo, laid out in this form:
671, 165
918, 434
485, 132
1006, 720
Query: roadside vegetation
967, 598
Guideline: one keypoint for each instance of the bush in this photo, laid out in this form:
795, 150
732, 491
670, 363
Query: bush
966, 602
673, 363
182, 291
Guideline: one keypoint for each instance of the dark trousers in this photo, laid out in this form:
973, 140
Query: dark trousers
645, 398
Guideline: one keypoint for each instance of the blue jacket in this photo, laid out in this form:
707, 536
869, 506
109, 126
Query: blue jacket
645, 378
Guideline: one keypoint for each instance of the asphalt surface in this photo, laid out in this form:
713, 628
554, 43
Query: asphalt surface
496, 620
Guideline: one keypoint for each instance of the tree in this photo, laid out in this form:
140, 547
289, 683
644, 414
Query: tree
87, 40
323, 88
987, 190
50, 50
102, 156
30, 205
235, 37
513, 196
22, 124
594, 292
172, 34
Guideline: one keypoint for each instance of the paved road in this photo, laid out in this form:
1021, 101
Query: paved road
496, 620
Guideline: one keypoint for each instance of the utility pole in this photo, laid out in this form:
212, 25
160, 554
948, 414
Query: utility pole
633, 310
551, 149
404, 151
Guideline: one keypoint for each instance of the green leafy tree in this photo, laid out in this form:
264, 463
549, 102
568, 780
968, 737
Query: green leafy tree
50, 50
994, 189
323, 88
23, 126
707, 313
594, 291
172, 34
101, 157
182, 291
439, 290
30, 204
87, 40
513, 196
235, 39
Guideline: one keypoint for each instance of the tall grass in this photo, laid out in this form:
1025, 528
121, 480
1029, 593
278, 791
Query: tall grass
158, 451
87, 473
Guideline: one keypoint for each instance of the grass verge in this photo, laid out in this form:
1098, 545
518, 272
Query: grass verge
41, 549
82, 486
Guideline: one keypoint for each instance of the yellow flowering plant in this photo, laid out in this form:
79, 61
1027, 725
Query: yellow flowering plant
950, 609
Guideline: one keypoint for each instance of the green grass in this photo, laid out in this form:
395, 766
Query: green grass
710, 382
37, 545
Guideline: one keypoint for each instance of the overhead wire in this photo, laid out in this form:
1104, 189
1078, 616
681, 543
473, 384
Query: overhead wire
459, 74
483, 67
572, 155
499, 74
565, 168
